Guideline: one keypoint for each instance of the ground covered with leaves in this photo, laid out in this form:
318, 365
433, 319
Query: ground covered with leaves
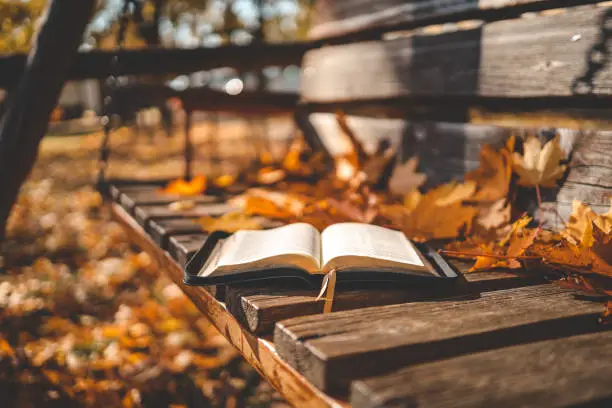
86, 318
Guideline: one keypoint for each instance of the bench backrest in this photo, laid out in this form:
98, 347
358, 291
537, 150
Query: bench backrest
438, 77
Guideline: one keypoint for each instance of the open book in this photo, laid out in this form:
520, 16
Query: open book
356, 251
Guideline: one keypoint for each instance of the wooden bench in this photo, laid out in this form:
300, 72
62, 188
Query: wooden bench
426, 76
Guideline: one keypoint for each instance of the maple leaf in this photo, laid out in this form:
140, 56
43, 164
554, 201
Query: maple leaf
493, 175
270, 204
518, 243
366, 213
579, 229
539, 166
428, 220
193, 187
405, 178
454, 192
494, 216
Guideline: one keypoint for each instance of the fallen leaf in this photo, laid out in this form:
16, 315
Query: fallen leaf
225, 180
230, 222
579, 229
494, 216
183, 205
270, 175
405, 178
454, 192
539, 166
430, 221
193, 187
493, 176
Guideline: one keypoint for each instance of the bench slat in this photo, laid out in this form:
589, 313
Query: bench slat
259, 307
183, 247
151, 195
363, 18
522, 58
163, 229
145, 213
334, 349
573, 371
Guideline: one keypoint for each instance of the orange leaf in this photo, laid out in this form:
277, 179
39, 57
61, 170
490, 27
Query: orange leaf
195, 186
493, 176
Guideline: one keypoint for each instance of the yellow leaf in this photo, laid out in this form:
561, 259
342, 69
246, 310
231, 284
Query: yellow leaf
405, 177
195, 186
493, 175
456, 193
539, 166
412, 199
230, 222
579, 228
225, 180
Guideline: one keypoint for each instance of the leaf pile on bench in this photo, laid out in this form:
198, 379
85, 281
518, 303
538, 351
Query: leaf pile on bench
482, 216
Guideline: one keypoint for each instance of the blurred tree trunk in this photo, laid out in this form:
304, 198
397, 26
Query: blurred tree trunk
26, 117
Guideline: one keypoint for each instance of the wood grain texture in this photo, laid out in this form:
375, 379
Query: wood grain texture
334, 349
259, 353
523, 58
183, 247
260, 306
162, 230
342, 18
572, 371
144, 213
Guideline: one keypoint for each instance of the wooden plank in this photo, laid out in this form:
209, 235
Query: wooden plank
147, 195
157, 61
161, 230
332, 350
183, 247
572, 371
260, 306
537, 57
145, 213
259, 353
130, 98
367, 19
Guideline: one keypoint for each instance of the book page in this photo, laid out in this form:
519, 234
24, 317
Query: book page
247, 247
350, 241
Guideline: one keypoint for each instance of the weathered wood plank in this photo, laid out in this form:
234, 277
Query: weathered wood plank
130, 98
161, 230
145, 213
259, 307
153, 61
259, 353
367, 19
183, 247
147, 195
332, 350
572, 371
523, 58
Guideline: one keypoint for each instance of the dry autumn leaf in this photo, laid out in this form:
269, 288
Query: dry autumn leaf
230, 222
539, 166
193, 187
519, 242
405, 178
494, 216
493, 175
428, 220
579, 228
